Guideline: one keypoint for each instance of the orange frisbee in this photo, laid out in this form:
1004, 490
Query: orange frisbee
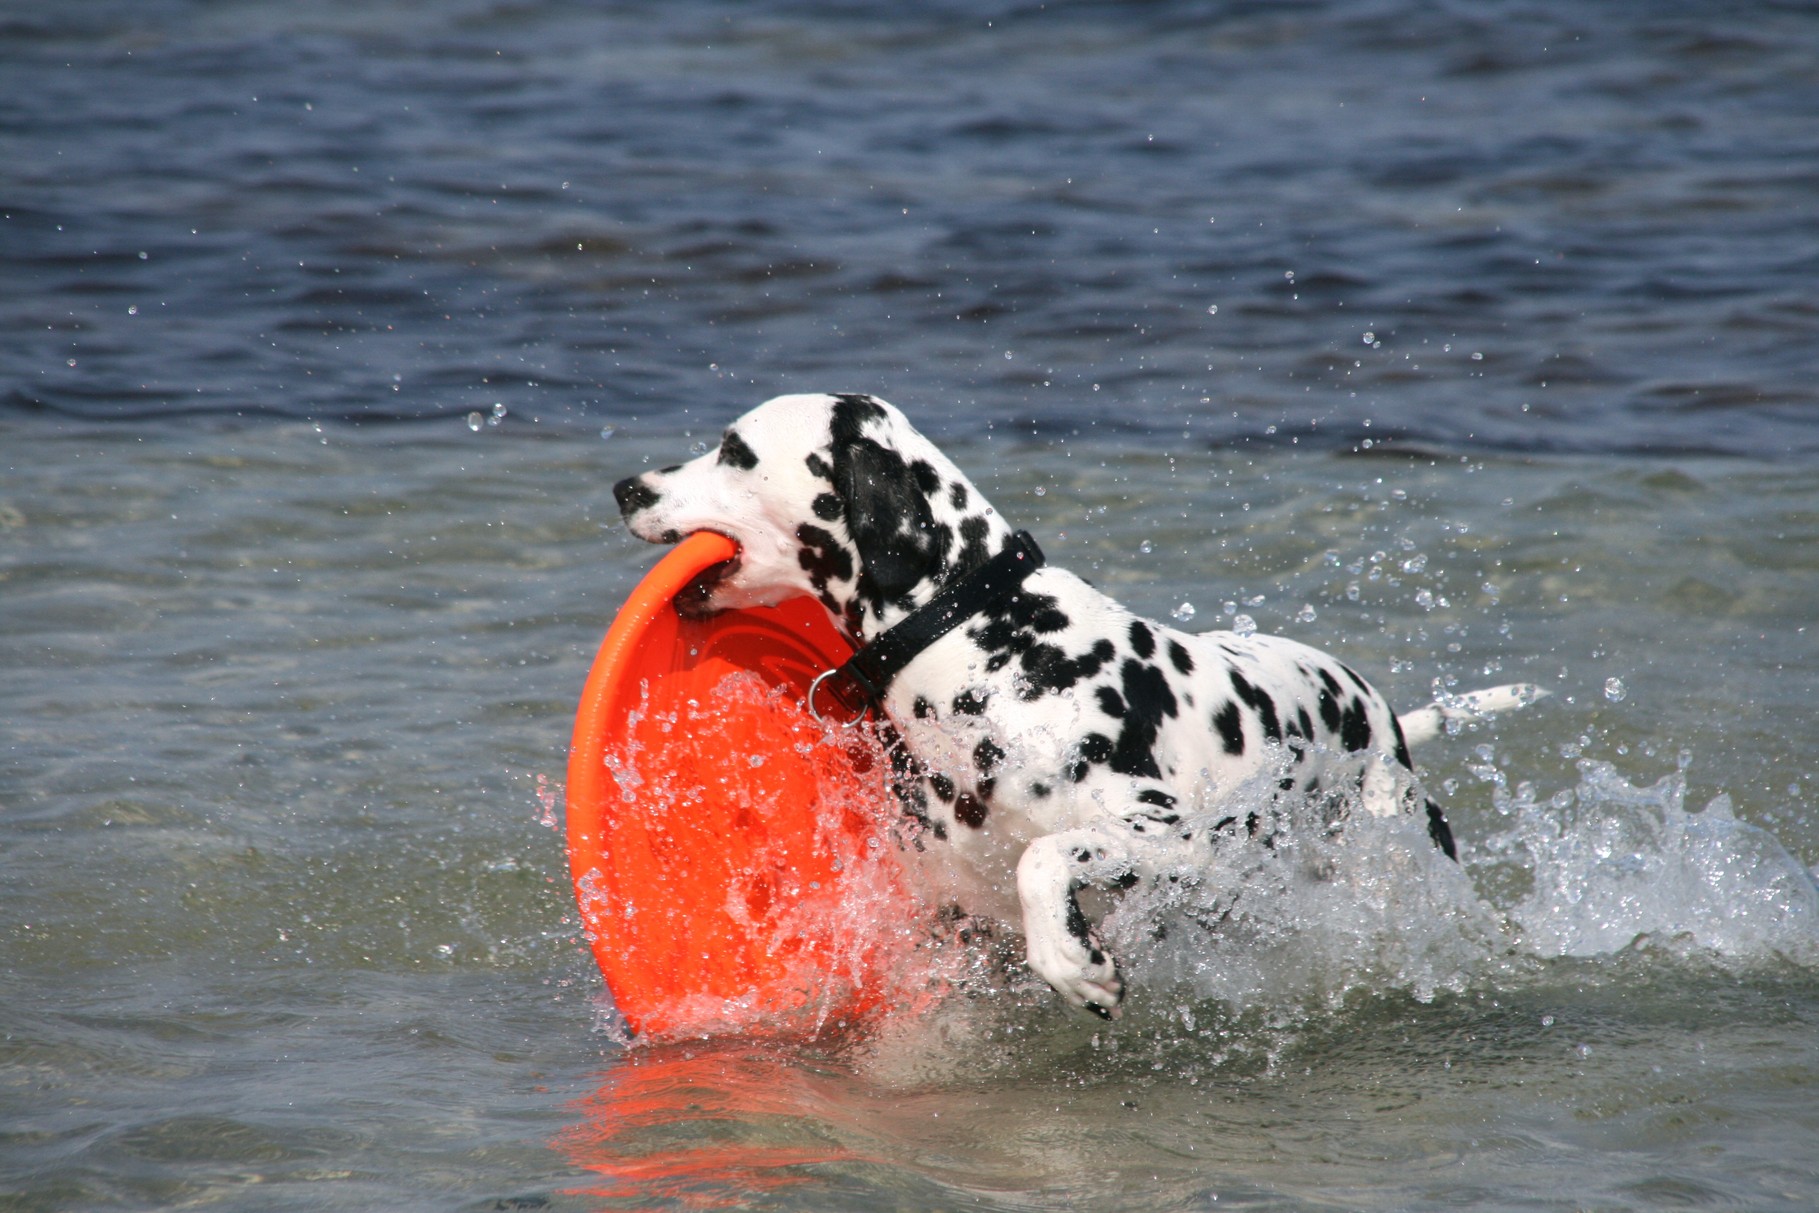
729, 852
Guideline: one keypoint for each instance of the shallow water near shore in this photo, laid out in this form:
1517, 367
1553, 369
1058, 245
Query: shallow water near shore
1473, 343
289, 923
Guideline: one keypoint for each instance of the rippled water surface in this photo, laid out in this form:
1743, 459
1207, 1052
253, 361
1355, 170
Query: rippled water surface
1472, 342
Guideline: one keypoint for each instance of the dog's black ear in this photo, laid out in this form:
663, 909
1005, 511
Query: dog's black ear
888, 517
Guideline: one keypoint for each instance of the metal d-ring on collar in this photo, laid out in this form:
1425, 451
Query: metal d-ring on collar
860, 683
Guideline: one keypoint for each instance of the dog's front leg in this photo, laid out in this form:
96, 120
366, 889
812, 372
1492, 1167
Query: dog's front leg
1062, 947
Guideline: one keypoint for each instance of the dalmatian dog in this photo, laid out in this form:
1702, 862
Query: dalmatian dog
1055, 740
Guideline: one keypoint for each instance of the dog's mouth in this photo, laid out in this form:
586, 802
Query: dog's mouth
696, 599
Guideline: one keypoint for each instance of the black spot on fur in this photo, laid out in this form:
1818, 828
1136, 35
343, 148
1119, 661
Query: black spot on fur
1089, 751
1041, 612
1180, 658
858, 407
826, 507
1143, 641
1010, 633
819, 467
1110, 702
1157, 797
1355, 729
987, 755
1260, 703
734, 453
922, 708
1329, 711
968, 703
1440, 831
1080, 929
944, 787
1402, 755
956, 494
912, 796
969, 810
1149, 698
1040, 791
1049, 670
1230, 723
974, 531
927, 479
823, 557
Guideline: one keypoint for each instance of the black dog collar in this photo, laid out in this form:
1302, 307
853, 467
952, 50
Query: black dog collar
861, 682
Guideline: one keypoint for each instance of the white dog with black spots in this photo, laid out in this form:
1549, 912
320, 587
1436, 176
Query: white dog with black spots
1053, 739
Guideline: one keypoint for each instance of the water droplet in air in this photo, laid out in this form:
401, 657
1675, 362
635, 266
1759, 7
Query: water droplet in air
1041, 491
1182, 613
476, 420
1212, 309
1370, 338
698, 448
1244, 625
1307, 613
607, 431
1614, 690
1146, 547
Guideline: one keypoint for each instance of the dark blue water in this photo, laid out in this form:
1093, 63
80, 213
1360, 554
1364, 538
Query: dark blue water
1516, 226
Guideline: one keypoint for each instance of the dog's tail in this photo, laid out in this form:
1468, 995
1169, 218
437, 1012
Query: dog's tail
1425, 724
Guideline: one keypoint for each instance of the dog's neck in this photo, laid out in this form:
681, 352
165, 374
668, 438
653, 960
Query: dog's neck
878, 602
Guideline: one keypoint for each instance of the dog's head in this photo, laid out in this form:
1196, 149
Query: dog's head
834, 496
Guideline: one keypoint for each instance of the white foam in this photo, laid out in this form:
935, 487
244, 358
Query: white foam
1378, 907
1605, 868
1613, 866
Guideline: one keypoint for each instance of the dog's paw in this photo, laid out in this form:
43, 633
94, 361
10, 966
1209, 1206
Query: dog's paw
1081, 972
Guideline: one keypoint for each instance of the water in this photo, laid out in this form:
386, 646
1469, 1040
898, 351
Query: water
291, 649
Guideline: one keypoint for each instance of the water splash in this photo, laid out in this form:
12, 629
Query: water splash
1371, 907
1323, 912
1610, 866
547, 798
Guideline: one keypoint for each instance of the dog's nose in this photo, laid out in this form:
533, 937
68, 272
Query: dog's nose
633, 495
